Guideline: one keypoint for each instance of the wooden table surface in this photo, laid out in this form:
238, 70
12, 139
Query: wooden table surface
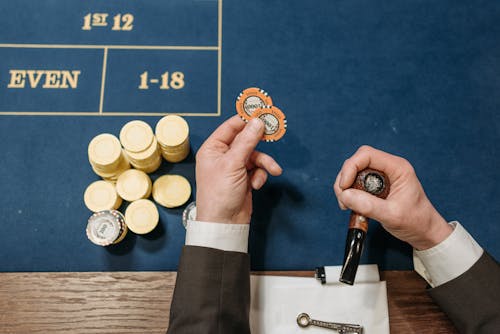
139, 302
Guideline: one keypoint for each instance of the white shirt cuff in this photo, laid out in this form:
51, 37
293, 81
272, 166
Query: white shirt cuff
449, 259
226, 237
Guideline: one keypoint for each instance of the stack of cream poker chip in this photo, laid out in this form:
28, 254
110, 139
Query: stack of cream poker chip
172, 133
133, 185
106, 157
171, 191
141, 146
142, 216
101, 195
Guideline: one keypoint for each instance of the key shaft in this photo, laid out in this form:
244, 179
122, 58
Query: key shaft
303, 320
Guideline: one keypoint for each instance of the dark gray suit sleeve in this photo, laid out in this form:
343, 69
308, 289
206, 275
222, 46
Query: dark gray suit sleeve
212, 293
472, 300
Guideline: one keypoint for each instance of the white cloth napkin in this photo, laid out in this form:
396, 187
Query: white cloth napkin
276, 301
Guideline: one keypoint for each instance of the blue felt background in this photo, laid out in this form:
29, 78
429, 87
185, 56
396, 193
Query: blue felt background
418, 78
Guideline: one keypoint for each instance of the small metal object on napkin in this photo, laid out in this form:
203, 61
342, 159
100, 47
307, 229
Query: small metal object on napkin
304, 320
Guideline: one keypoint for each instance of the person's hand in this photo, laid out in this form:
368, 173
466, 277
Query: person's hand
227, 169
407, 213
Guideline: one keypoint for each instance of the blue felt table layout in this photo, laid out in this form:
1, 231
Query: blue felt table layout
419, 79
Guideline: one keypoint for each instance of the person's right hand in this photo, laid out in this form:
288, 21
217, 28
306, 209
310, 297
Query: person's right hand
227, 169
406, 213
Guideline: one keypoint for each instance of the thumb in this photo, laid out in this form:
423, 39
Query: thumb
246, 141
365, 204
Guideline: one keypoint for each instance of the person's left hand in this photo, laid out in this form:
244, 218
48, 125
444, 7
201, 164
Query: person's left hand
227, 169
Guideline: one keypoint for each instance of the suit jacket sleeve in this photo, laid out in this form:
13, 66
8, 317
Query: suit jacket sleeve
472, 300
212, 292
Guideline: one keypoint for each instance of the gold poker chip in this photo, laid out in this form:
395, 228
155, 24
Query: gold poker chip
171, 191
142, 216
250, 100
148, 160
105, 151
113, 175
101, 195
172, 130
274, 120
133, 185
149, 153
136, 136
151, 167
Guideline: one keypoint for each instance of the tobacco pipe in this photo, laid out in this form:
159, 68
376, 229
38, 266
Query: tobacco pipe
376, 183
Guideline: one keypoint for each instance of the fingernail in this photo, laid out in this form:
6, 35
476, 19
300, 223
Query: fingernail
256, 124
278, 169
341, 181
346, 197
258, 183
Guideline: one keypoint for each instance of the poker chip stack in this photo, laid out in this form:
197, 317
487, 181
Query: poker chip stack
171, 191
106, 157
142, 216
101, 195
111, 158
172, 133
255, 102
189, 213
106, 227
133, 185
251, 99
140, 146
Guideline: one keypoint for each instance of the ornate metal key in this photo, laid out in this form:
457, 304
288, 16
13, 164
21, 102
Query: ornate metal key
304, 320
